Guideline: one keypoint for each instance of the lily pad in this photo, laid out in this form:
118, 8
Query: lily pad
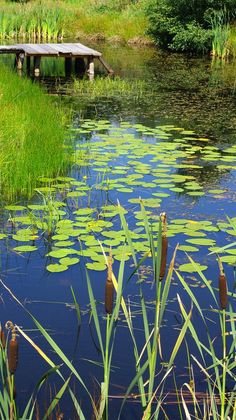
56, 268
189, 267
25, 248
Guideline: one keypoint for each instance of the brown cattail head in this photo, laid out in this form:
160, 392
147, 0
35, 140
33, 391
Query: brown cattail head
164, 249
109, 288
13, 355
12, 349
223, 297
2, 338
164, 246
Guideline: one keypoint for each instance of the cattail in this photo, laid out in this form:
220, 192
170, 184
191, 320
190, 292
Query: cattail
12, 349
223, 297
13, 355
164, 246
2, 338
109, 289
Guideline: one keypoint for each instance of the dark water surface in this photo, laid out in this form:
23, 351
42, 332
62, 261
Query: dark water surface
175, 137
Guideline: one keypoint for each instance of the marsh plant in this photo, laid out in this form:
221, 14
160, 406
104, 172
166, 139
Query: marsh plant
220, 34
29, 148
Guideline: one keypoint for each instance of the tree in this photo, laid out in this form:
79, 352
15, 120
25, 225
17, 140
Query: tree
185, 25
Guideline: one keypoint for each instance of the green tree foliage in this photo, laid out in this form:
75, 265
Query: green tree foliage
185, 25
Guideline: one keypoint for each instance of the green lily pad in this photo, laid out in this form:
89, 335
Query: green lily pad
201, 241
69, 261
25, 248
189, 268
15, 208
56, 268
96, 266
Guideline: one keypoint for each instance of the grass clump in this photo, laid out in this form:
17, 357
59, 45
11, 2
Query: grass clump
103, 87
50, 20
32, 134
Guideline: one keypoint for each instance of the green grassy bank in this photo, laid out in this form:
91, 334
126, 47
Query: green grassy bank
32, 134
118, 21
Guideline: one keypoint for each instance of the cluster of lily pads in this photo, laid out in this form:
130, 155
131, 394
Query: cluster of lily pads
77, 217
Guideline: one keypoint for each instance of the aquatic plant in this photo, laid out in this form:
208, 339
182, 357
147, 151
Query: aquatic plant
220, 34
32, 134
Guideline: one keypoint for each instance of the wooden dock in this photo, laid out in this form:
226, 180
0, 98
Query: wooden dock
83, 56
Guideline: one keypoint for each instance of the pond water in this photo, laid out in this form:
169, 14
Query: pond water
171, 142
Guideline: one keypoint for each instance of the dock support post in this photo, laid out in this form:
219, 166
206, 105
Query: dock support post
90, 67
28, 64
37, 60
68, 66
80, 66
20, 61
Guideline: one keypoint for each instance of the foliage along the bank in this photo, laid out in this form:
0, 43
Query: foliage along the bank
185, 25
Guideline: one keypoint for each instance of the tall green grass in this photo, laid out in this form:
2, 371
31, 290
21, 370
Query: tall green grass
32, 135
220, 34
49, 20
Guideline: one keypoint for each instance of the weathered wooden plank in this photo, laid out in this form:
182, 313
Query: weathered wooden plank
107, 67
68, 49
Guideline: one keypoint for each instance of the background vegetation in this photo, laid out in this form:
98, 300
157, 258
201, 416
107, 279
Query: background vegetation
121, 20
186, 25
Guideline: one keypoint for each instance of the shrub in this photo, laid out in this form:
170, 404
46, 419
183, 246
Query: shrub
184, 25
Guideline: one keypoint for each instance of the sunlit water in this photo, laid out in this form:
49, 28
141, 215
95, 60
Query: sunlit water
173, 146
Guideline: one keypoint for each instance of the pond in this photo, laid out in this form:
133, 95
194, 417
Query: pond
165, 145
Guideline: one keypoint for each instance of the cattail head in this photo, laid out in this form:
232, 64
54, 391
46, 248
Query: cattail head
2, 338
109, 288
164, 246
12, 349
223, 297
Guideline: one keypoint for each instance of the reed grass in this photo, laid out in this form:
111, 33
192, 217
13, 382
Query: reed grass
220, 33
32, 135
103, 87
50, 20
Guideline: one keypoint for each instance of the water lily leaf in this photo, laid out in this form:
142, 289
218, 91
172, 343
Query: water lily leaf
56, 268
60, 237
201, 241
2, 236
69, 261
61, 253
15, 207
38, 207
216, 191
96, 266
189, 268
230, 259
64, 243
25, 248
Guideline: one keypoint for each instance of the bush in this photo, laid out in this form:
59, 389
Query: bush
185, 25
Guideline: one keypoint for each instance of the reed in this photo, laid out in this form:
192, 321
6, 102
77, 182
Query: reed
221, 33
32, 135
50, 20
